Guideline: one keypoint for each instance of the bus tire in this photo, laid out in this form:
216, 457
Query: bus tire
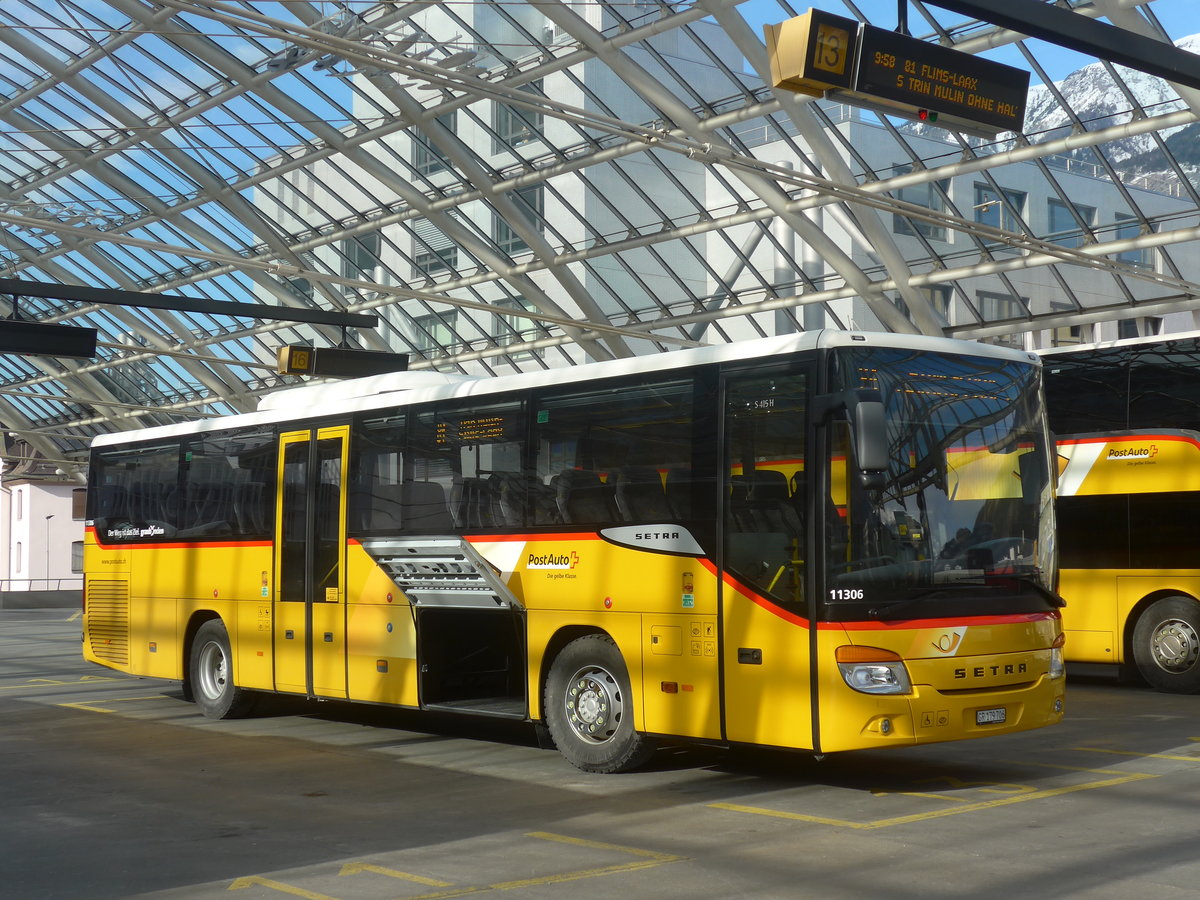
589, 709
1166, 645
210, 674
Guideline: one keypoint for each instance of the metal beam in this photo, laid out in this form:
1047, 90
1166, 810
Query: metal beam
80, 294
1060, 26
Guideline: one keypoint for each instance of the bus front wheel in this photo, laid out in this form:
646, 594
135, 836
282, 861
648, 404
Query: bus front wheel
589, 708
210, 674
1166, 645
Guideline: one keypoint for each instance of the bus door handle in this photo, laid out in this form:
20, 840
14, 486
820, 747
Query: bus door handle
750, 656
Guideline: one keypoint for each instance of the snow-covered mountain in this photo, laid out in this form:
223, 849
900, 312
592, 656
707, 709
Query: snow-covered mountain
1099, 102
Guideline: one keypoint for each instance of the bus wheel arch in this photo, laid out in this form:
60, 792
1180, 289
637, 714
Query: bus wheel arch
210, 671
1165, 642
587, 704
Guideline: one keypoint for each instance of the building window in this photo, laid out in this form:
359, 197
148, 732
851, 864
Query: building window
1067, 335
1129, 328
996, 307
515, 126
360, 255
512, 329
20, 496
529, 201
78, 503
1064, 227
435, 333
433, 251
426, 158
76, 556
929, 195
300, 288
1129, 227
20, 566
991, 210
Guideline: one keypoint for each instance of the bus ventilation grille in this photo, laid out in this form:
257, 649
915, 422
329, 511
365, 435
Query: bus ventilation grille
108, 620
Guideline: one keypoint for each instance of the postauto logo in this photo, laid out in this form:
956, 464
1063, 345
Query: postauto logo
552, 560
1133, 452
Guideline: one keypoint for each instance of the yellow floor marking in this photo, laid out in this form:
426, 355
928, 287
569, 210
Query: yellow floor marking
48, 682
354, 868
1066, 768
932, 814
601, 845
1139, 755
78, 613
925, 796
650, 859
251, 880
94, 705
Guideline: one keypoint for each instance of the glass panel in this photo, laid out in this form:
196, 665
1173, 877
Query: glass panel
767, 483
619, 454
964, 515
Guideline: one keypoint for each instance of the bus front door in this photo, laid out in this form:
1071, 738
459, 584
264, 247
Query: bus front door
764, 609
310, 548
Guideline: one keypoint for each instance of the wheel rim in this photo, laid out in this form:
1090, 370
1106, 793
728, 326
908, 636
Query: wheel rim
1175, 645
594, 704
212, 671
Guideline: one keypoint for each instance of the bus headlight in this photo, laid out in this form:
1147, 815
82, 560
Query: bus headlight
1058, 668
871, 670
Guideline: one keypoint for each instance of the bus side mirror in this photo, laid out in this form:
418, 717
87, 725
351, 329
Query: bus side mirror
870, 442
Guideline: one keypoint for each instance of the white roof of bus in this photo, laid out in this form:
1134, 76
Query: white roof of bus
1123, 342
404, 388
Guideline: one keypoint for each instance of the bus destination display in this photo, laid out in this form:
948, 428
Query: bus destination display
472, 430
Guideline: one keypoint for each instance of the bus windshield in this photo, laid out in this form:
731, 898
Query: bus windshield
963, 520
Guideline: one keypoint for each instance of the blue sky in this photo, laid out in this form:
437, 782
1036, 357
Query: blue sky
1179, 17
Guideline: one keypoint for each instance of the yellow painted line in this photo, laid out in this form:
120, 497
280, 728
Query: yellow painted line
355, 868
78, 613
922, 795
932, 814
1019, 762
601, 845
252, 880
649, 859
94, 705
54, 682
1180, 757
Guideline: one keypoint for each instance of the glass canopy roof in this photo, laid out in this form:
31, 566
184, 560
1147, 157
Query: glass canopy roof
517, 185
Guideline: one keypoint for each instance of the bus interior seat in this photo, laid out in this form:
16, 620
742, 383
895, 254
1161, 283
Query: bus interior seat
583, 497
473, 504
248, 511
678, 487
425, 508
771, 503
640, 495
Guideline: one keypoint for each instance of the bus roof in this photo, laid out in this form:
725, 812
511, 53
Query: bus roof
1141, 341
404, 388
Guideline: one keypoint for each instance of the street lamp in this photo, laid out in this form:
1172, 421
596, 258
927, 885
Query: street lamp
48, 518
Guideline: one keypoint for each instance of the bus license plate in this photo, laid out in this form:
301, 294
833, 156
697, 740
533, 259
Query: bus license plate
990, 716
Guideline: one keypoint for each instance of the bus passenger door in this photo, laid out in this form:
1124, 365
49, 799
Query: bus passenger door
310, 551
764, 604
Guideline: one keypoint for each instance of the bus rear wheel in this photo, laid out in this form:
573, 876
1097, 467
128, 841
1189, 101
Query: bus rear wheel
210, 674
589, 708
1166, 645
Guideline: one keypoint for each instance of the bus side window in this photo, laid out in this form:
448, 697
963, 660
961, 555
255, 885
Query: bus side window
376, 473
609, 453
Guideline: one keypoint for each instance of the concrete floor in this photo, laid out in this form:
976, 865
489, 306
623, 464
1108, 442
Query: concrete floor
116, 787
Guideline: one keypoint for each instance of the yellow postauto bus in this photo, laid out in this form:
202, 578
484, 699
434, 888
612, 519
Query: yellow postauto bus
1126, 415
823, 542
